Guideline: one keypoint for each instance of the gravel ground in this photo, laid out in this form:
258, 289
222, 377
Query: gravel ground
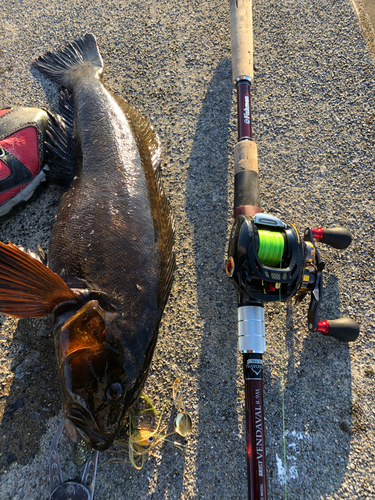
314, 119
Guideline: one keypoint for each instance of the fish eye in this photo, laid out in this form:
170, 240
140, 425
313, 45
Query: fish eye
113, 392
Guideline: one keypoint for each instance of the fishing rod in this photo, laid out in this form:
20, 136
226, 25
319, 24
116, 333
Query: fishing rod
268, 260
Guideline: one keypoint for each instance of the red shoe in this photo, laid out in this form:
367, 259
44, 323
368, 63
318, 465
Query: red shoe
22, 155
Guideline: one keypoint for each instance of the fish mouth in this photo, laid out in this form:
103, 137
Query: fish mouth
87, 429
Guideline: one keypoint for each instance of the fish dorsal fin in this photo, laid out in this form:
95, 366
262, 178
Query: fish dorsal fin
28, 289
145, 135
150, 151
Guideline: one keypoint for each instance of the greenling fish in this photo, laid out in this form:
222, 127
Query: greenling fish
111, 254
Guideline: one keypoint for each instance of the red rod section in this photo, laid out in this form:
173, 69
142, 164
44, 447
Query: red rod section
255, 442
244, 110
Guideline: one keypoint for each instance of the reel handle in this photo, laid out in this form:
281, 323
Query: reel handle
344, 329
336, 237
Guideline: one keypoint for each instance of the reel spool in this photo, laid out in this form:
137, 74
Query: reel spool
268, 261
265, 258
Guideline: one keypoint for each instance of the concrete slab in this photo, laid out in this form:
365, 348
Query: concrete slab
314, 119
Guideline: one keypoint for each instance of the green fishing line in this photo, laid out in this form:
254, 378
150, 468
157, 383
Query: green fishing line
271, 247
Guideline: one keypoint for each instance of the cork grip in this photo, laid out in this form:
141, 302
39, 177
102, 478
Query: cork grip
245, 156
241, 22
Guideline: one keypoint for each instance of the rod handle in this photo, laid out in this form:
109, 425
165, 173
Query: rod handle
344, 329
336, 237
241, 23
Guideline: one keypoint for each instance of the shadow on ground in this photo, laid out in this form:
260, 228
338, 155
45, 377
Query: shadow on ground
34, 392
208, 214
318, 404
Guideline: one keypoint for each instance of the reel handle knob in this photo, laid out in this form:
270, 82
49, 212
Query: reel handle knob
336, 237
344, 329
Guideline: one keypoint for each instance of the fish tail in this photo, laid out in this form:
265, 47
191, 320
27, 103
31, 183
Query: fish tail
59, 66
28, 289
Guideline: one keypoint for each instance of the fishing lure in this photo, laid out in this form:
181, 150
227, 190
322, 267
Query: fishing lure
141, 440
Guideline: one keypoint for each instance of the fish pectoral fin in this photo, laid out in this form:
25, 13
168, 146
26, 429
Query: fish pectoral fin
28, 289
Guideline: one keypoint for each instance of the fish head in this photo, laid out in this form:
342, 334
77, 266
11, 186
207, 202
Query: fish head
96, 376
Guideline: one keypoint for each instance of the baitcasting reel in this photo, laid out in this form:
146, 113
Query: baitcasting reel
268, 261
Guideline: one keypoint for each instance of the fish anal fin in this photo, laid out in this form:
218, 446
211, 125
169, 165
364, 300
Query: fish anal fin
60, 143
28, 289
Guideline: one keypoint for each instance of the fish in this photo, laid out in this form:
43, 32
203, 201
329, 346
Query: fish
111, 255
